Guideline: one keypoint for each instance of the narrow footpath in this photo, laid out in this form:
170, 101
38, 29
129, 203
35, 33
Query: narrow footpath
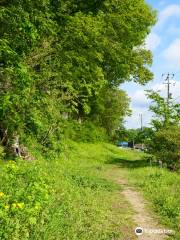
142, 216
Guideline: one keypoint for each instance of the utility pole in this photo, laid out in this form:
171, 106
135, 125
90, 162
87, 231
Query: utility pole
141, 119
168, 82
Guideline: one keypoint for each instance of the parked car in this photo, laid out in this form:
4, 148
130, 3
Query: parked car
122, 144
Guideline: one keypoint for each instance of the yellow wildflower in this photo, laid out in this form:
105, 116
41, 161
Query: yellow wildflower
1, 194
14, 205
20, 205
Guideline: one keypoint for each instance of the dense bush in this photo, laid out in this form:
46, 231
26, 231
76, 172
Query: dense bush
166, 147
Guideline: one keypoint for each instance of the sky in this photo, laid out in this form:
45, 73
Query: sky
164, 42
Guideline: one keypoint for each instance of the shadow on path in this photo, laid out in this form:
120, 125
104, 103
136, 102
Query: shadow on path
125, 163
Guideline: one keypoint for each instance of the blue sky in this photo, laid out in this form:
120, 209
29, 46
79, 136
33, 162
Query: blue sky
164, 42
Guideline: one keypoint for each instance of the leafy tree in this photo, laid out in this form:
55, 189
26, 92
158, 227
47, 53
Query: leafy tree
128, 135
144, 135
59, 56
135, 135
109, 109
166, 113
165, 145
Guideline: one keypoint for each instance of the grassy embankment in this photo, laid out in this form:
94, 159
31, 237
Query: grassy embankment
64, 198
69, 197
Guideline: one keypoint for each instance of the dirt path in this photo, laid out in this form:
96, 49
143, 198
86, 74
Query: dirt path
142, 217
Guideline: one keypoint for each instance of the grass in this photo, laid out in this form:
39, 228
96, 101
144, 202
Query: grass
159, 186
86, 205
74, 196
162, 189
64, 198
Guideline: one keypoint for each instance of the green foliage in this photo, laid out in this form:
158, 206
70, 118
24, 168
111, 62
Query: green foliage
84, 132
109, 108
165, 141
91, 182
165, 146
127, 135
135, 135
24, 197
59, 56
166, 113
69, 197
62, 198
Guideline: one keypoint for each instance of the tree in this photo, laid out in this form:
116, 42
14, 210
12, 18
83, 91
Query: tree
164, 142
165, 145
109, 109
58, 56
166, 113
128, 135
134, 136
144, 135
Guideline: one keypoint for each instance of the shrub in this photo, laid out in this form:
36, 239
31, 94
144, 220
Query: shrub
166, 147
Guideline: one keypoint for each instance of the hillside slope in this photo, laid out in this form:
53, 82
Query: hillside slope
76, 195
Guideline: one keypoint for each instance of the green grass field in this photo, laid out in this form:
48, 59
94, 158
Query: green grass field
74, 196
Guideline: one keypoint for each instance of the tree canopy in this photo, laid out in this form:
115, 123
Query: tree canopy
166, 111
60, 56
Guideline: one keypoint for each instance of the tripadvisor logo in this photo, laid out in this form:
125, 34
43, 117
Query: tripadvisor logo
138, 231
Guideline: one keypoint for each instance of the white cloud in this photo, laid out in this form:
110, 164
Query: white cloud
167, 28
140, 103
152, 41
172, 55
174, 89
139, 99
135, 122
169, 11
